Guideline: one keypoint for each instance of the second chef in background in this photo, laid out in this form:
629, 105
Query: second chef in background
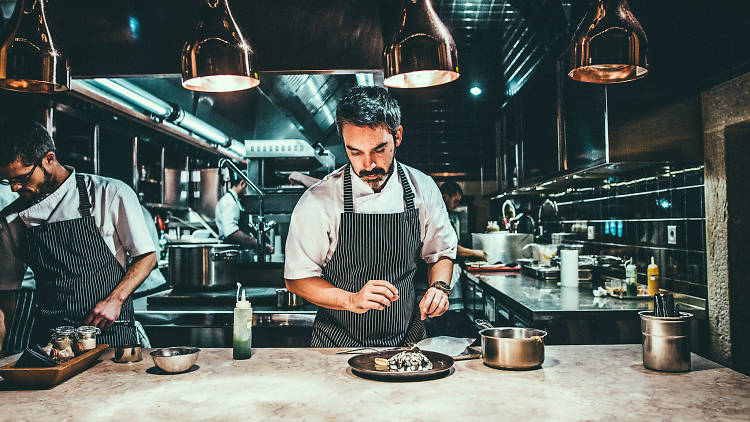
355, 237
228, 217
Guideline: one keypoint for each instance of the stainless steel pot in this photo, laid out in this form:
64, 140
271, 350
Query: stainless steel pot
288, 300
202, 266
511, 347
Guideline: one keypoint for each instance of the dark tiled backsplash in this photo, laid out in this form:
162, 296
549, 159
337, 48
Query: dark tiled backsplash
631, 218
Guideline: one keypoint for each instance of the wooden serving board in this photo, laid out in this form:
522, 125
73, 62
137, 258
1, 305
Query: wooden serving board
48, 377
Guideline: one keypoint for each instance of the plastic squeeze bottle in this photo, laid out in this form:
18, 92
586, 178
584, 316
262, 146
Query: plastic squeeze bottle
243, 328
652, 274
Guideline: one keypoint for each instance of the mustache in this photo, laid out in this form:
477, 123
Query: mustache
377, 171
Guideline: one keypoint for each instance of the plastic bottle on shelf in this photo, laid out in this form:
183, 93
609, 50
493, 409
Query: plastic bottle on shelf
631, 278
653, 278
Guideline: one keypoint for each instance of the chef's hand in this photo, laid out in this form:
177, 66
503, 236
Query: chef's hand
434, 303
269, 248
376, 294
295, 179
104, 314
478, 253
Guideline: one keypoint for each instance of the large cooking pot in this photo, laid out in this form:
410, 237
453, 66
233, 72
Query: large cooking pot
198, 267
511, 347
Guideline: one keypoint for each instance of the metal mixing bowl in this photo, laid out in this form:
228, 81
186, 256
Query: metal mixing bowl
175, 359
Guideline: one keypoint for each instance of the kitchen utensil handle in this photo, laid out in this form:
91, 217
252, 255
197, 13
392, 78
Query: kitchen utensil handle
483, 323
225, 255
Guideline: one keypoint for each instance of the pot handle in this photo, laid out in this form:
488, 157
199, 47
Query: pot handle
225, 255
483, 324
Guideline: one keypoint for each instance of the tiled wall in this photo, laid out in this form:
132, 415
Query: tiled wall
630, 218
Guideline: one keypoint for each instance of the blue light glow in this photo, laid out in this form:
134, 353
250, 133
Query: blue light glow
134, 26
475, 90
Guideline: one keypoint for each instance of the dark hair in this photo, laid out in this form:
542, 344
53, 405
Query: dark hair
25, 140
369, 106
451, 189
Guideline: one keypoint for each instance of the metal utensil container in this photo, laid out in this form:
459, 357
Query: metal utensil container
128, 353
666, 342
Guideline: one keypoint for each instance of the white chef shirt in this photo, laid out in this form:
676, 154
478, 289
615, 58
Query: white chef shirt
115, 208
227, 214
314, 228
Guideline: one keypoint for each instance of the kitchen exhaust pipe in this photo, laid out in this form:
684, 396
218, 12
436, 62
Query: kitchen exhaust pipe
143, 107
165, 111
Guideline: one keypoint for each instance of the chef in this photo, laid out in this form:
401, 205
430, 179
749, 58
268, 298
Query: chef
355, 237
227, 214
76, 232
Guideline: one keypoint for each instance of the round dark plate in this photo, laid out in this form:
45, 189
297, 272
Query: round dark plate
364, 366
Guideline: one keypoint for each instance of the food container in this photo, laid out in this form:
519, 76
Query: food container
174, 360
511, 347
85, 338
666, 342
62, 337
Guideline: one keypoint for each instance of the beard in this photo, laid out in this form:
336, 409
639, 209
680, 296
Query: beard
376, 177
43, 189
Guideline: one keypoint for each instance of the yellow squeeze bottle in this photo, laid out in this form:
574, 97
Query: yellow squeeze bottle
652, 274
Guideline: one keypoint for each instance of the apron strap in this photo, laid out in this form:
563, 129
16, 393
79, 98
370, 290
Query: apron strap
408, 194
85, 204
349, 201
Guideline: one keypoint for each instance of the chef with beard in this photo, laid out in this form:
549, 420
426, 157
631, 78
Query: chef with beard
355, 237
76, 231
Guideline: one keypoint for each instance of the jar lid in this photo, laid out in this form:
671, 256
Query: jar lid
64, 330
88, 329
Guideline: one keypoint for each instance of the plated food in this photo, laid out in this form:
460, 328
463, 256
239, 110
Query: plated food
412, 360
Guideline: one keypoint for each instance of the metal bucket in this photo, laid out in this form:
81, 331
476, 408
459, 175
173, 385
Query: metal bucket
666, 342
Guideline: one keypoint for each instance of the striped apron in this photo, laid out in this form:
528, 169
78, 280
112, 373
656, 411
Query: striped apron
373, 247
74, 271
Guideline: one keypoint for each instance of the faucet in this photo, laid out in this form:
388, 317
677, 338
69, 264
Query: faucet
262, 226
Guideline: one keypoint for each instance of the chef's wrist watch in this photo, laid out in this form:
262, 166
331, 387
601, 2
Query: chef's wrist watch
443, 287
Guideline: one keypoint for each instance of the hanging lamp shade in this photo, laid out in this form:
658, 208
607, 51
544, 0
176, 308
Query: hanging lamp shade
609, 45
29, 60
218, 58
422, 52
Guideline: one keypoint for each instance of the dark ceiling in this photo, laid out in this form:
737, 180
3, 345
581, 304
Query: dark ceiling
501, 44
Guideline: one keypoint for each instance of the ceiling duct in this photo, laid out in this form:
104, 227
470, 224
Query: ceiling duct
161, 111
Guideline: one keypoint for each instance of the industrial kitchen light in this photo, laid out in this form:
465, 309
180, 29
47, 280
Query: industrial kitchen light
422, 52
609, 45
29, 59
218, 58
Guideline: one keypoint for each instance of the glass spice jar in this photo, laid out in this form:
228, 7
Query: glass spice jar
86, 338
62, 337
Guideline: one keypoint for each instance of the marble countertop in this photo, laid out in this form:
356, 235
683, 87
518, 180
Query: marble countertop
543, 300
575, 383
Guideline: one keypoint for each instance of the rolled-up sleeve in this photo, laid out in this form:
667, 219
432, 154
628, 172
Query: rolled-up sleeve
440, 238
308, 240
129, 223
12, 268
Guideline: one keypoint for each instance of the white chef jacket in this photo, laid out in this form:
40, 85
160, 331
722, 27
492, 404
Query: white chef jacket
115, 208
314, 228
227, 214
